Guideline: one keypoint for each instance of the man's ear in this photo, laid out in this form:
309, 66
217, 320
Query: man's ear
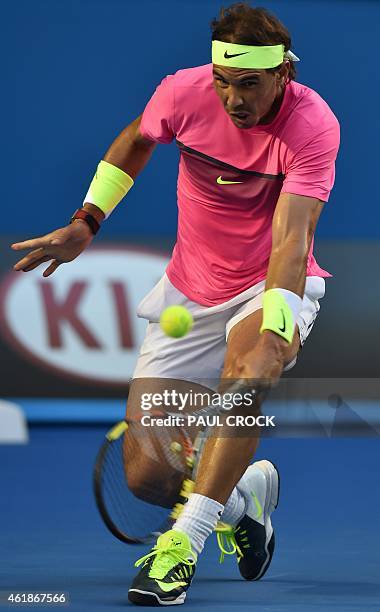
283, 73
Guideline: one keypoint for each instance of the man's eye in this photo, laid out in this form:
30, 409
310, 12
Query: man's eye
250, 83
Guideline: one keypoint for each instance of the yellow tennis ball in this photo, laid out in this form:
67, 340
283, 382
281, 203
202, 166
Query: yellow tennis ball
176, 321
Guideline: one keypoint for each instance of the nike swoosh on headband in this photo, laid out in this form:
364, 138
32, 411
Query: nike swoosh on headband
228, 56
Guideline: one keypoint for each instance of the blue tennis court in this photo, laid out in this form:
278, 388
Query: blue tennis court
327, 528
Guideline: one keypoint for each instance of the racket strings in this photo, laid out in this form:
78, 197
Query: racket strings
113, 485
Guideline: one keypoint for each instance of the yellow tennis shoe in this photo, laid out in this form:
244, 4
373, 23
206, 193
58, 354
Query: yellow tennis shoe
252, 540
166, 572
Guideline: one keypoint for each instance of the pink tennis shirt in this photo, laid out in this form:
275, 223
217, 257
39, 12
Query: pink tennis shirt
224, 234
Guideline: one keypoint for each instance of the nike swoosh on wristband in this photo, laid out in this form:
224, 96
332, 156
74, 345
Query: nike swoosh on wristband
228, 56
257, 504
220, 181
282, 329
169, 586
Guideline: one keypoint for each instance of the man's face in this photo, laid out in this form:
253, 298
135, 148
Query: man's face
247, 95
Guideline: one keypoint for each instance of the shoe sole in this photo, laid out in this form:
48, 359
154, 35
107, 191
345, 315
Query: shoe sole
271, 502
147, 598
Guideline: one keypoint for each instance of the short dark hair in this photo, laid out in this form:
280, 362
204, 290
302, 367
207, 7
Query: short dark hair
242, 24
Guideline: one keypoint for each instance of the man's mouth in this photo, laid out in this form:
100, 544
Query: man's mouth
240, 115
241, 119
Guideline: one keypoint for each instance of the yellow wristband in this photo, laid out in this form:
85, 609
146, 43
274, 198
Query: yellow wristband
108, 187
278, 316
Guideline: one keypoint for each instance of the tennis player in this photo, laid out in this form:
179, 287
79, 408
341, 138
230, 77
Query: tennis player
257, 153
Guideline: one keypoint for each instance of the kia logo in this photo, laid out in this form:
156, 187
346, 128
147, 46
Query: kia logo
81, 322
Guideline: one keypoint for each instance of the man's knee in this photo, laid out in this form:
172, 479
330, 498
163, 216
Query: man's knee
152, 485
150, 475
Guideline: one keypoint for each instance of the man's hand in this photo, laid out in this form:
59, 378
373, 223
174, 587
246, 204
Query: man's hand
61, 246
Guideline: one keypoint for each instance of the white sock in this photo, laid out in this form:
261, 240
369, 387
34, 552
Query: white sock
235, 508
198, 519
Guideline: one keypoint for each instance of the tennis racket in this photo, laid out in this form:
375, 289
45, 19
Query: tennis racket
133, 520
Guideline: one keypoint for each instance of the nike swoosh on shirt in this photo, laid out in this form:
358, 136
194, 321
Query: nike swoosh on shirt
257, 504
220, 181
169, 586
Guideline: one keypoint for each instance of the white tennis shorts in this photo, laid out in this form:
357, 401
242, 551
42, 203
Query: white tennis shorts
199, 356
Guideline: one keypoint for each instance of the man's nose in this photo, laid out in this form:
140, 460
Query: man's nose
234, 100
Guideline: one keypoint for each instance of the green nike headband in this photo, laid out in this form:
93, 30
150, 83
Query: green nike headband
249, 56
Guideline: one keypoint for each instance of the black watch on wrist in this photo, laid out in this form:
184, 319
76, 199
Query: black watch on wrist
93, 224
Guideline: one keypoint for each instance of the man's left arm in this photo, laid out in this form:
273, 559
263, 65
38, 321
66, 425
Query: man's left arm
309, 178
293, 228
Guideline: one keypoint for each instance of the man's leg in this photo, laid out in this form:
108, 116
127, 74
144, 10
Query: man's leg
225, 459
216, 475
154, 472
169, 364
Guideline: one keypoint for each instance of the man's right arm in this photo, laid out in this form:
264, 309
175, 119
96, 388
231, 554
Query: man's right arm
130, 152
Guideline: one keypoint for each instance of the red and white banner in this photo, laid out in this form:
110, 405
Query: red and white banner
81, 322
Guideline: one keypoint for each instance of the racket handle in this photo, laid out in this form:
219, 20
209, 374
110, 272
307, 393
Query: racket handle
186, 490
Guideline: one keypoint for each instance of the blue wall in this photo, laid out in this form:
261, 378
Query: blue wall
78, 71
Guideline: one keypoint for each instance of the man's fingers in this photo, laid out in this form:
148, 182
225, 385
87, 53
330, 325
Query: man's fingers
37, 263
52, 268
29, 259
34, 243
